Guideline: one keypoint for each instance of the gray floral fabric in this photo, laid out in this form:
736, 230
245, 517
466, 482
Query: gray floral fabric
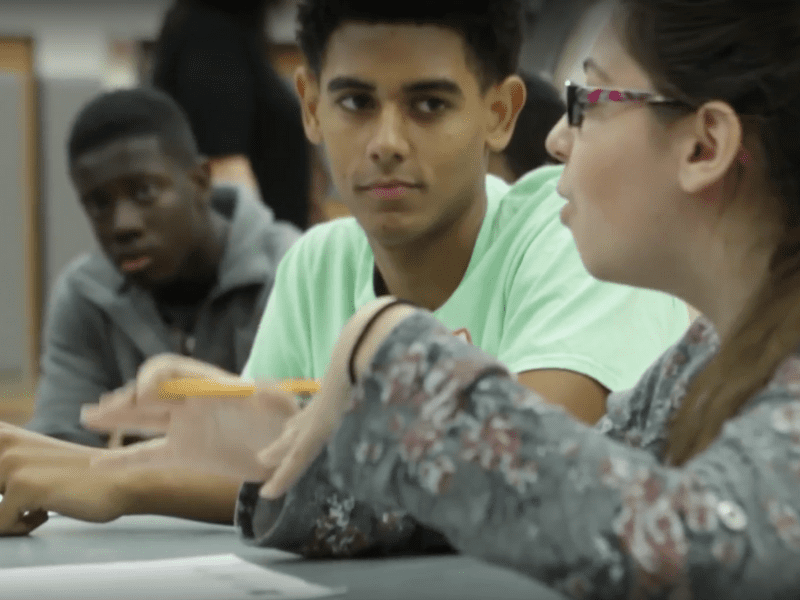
443, 446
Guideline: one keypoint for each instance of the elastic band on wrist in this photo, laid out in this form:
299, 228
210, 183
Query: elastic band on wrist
363, 334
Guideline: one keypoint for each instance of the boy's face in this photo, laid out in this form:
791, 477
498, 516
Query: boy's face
144, 209
405, 126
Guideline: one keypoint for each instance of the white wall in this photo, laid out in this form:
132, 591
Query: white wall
72, 39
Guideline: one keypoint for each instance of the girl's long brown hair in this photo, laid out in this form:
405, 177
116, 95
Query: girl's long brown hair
745, 53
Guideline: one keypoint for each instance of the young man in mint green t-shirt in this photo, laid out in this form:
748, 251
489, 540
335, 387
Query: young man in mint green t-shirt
409, 115
525, 297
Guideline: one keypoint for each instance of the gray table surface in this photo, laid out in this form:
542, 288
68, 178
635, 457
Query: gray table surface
63, 541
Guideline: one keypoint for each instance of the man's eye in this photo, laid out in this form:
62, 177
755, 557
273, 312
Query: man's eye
355, 102
430, 106
147, 192
97, 204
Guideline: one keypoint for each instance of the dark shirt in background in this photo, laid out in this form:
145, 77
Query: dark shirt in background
213, 62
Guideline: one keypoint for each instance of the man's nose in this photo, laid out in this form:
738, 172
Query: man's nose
389, 143
128, 219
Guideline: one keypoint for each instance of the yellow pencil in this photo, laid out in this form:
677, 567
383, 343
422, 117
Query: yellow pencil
192, 386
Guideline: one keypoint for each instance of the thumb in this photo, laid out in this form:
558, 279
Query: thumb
280, 402
110, 403
110, 417
96, 416
145, 454
15, 516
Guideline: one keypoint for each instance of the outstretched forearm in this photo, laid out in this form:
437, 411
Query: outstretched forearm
181, 493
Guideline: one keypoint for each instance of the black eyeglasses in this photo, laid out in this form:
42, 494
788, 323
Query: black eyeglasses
579, 97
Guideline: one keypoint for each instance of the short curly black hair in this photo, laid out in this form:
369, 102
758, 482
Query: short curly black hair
134, 112
492, 29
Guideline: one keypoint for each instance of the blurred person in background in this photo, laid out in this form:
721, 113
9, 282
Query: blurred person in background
187, 267
211, 57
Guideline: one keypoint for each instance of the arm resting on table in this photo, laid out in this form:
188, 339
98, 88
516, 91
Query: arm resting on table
184, 494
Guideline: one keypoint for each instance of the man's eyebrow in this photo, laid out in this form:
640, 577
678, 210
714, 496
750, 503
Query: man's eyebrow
447, 86
589, 63
349, 83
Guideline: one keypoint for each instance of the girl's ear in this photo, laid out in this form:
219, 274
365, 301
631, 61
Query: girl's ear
711, 149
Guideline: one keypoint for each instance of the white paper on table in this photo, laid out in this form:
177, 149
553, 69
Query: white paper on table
216, 577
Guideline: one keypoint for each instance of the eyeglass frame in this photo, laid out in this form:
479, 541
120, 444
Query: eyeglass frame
575, 118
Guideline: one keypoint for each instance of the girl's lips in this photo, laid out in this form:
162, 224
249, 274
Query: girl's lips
565, 212
132, 265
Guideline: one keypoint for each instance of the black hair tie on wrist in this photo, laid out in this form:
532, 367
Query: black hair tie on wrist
366, 329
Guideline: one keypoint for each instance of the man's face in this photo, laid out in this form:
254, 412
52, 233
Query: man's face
143, 207
404, 123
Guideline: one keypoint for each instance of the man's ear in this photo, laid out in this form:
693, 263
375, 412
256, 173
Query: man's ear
200, 174
504, 103
710, 149
307, 87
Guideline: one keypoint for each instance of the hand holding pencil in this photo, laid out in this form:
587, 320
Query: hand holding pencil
213, 421
137, 406
163, 383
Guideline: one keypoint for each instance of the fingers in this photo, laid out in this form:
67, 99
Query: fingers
139, 404
126, 408
124, 396
34, 519
36, 479
164, 367
11, 462
9, 437
291, 468
301, 441
102, 416
282, 403
155, 453
273, 455
16, 516
295, 453
112, 416
12, 436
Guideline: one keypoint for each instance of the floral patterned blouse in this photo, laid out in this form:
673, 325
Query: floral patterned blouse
444, 448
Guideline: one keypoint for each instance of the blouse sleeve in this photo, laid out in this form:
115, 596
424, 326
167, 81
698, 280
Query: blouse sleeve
443, 432
315, 519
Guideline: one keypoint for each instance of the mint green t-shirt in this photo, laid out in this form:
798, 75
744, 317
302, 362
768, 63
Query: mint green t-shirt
526, 297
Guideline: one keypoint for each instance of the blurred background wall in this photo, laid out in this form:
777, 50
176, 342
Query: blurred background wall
54, 56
